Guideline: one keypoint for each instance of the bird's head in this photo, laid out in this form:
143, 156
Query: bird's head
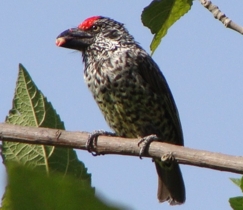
99, 32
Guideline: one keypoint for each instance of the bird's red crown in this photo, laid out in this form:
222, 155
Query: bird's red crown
88, 23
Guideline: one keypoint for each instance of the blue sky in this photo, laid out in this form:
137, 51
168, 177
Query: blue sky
201, 59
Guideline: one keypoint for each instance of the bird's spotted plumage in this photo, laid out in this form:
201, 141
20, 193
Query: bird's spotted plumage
130, 90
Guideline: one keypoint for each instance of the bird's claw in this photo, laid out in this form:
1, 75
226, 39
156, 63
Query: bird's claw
92, 140
167, 159
146, 141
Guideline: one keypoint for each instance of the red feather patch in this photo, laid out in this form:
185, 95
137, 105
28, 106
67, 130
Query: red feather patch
88, 23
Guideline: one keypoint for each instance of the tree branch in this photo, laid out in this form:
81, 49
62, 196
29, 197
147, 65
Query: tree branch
221, 16
122, 146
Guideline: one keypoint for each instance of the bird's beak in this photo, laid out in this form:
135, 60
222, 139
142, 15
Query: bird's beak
74, 38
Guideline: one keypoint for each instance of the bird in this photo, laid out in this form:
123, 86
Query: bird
131, 92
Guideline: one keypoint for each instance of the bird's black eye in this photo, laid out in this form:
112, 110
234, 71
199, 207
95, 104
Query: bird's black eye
95, 28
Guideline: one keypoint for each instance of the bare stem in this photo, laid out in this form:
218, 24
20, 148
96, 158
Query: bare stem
221, 16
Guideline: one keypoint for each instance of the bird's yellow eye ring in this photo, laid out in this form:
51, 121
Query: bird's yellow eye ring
96, 28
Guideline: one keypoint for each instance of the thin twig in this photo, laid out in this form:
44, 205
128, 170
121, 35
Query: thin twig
221, 16
122, 146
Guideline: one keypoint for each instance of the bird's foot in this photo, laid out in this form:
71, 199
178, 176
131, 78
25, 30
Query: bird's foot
167, 160
146, 142
92, 140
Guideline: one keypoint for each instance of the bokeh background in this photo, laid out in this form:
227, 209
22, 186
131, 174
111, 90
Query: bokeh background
201, 59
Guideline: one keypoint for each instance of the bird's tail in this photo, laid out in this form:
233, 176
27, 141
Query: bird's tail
171, 185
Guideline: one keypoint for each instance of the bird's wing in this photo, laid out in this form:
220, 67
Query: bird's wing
151, 73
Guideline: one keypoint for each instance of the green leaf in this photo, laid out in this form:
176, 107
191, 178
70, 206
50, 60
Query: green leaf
236, 203
236, 181
42, 192
31, 108
161, 14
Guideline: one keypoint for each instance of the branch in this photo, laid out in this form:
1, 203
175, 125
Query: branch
221, 16
122, 146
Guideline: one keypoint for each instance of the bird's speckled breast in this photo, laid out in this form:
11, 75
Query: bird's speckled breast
129, 106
